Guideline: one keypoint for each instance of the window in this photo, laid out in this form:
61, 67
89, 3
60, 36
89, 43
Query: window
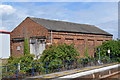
57, 38
69, 39
18, 48
80, 39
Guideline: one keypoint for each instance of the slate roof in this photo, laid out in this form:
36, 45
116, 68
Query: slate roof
68, 26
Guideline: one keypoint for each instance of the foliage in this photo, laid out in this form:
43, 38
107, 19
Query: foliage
112, 45
24, 61
86, 52
51, 56
26, 46
58, 53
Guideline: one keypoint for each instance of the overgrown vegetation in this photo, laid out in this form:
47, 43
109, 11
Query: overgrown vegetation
58, 53
86, 52
26, 46
54, 55
25, 63
113, 46
59, 56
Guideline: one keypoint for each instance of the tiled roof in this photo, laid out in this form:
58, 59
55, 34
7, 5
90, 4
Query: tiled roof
68, 26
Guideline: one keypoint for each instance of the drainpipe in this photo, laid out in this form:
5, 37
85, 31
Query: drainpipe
51, 36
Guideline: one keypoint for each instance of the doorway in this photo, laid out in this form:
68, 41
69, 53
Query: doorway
37, 46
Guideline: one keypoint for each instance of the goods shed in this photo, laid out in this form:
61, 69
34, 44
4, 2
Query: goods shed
42, 32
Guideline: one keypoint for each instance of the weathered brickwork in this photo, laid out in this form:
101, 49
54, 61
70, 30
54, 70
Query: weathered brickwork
16, 52
82, 41
30, 29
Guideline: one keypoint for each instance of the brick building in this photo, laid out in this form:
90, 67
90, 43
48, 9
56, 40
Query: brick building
43, 32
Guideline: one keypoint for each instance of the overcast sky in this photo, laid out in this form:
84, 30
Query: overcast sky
102, 14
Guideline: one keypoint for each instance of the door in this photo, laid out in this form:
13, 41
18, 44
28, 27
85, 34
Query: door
41, 46
37, 46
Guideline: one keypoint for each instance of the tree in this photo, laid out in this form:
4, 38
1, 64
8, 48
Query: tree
26, 46
112, 45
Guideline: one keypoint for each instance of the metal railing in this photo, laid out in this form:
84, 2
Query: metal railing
19, 71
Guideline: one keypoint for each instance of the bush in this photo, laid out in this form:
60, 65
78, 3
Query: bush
112, 45
58, 53
24, 61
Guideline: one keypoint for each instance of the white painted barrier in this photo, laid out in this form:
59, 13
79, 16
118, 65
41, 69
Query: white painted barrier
90, 72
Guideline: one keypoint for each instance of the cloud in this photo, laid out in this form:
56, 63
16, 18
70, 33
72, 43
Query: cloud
10, 17
6, 9
91, 13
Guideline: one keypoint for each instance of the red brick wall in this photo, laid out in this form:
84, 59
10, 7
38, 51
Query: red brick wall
27, 28
16, 52
81, 41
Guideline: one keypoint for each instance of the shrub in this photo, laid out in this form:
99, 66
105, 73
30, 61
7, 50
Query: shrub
112, 45
24, 61
58, 53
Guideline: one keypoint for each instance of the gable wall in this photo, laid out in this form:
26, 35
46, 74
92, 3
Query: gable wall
27, 28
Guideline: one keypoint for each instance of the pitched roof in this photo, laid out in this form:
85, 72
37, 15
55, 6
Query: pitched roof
68, 26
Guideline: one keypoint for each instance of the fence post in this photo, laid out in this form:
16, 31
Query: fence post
33, 69
58, 67
46, 66
17, 71
6, 68
19, 66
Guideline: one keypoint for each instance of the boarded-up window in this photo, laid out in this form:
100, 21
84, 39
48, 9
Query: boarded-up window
18, 48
